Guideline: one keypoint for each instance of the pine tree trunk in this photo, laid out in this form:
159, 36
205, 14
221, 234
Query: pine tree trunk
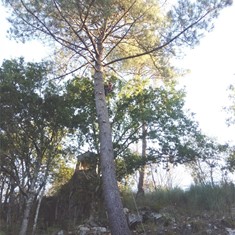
116, 216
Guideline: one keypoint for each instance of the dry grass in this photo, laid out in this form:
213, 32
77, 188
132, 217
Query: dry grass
196, 200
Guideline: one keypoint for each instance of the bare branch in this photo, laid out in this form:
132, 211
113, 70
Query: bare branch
115, 24
70, 72
60, 40
84, 26
127, 141
74, 31
120, 40
87, 13
161, 46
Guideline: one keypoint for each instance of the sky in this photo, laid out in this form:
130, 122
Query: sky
211, 65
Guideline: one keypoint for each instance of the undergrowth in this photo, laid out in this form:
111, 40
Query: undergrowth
197, 199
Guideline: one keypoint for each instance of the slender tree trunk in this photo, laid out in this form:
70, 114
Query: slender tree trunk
211, 176
29, 202
1, 193
37, 210
25, 222
140, 191
10, 204
116, 216
153, 179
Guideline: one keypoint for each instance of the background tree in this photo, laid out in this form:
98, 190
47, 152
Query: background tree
169, 130
230, 122
168, 126
31, 134
231, 108
208, 163
79, 94
99, 35
231, 160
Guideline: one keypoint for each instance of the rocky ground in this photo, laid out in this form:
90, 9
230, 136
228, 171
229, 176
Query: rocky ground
165, 222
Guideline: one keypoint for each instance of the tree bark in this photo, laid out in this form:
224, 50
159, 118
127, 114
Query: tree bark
11, 203
140, 191
116, 216
29, 200
25, 222
37, 210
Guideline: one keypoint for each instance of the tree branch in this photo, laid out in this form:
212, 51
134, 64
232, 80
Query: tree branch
75, 32
161, 46
60, 40
116, 23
